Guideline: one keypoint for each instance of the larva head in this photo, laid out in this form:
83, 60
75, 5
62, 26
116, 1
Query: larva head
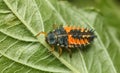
51, 38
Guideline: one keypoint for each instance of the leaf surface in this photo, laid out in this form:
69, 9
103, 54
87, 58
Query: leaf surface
21, 51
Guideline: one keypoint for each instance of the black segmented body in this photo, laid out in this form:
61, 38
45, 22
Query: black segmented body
77, 34
63, 38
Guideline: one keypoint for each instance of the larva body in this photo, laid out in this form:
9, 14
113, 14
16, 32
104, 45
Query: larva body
70, 37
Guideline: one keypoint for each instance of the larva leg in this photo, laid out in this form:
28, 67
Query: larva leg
41, 33
60, 51
52, 49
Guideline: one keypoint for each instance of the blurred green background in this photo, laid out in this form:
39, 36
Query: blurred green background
110, 9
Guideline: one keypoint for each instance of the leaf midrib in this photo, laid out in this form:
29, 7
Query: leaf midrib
43, 43
58, 14
101, 43
99, 40
61, 59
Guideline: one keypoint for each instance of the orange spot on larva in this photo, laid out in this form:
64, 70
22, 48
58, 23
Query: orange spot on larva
82, 29
70, 40
67, 29
82, 42
86, 41
78, 41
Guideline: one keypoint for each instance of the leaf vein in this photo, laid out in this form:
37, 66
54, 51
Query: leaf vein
7, 67
58, 14
18, 69
11, 46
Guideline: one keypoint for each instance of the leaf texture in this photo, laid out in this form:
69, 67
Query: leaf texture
21, 51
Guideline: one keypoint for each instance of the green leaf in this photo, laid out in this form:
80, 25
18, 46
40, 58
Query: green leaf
109, 31
21, 51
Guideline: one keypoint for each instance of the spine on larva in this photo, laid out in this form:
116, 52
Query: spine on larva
79, 36
83, 34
